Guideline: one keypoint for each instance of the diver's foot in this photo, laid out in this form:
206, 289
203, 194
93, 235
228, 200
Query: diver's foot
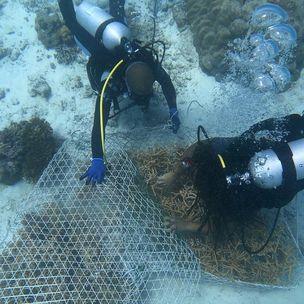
179, 225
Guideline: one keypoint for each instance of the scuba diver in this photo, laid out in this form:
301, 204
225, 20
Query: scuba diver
236, 177
117, 65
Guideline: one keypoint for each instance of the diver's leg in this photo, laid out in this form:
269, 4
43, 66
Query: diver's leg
68, 13
117, 9
292, 123
83, 37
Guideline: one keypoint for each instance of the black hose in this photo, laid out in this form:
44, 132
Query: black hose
248, 249
164, 50
154, 21
201, 129
154, 34
147, 47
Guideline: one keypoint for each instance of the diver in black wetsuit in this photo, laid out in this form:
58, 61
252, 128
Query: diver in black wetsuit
236, 177
135, 76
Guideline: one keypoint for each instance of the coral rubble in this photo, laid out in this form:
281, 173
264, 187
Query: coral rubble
39, 87
66, 55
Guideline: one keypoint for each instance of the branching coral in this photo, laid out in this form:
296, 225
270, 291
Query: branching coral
25, 150
275, 265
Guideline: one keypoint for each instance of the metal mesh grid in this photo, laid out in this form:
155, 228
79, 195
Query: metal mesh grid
77, 244
294, 219
290, 227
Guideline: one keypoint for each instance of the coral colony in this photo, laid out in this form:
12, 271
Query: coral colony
217, 23
25, 150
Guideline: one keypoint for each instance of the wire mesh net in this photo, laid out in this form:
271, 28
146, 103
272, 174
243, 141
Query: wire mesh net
278, 265
77, 244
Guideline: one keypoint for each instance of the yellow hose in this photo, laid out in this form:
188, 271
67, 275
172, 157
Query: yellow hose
101, 107
221, 161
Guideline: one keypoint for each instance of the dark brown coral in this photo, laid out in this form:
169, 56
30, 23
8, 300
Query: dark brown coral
25, 150
51, 30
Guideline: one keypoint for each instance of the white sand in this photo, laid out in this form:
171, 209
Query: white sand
68, 110
220, 294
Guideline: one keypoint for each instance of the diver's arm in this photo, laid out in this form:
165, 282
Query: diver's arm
163, 78
292, 123
181, 173
97, 151
117, 9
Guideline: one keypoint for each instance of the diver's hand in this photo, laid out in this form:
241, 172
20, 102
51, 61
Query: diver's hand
165, 180
174, 119
95, 173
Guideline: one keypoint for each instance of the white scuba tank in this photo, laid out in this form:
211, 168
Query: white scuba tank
267, 169
101, 25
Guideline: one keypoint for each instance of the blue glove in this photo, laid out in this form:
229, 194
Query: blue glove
174, 119
95, 173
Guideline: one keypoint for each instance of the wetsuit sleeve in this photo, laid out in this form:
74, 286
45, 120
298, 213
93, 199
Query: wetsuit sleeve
96, 134
163, 78
117, 9
69, 16
293, 123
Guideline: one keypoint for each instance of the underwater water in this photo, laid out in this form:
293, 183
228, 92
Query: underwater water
232, 63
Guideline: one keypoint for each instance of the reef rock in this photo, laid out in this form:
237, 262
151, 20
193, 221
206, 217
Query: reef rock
38, 5
25, 150
51, 29
2, 94
4, 51
101, 3
39, 87
179, 15
2, 3
215, 23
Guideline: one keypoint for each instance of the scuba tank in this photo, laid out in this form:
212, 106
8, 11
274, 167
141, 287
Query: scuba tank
103, 27
271, 168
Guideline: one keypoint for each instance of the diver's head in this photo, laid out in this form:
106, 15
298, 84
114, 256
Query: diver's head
139, 80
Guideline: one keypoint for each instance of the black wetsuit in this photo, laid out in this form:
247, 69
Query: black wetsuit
245, 199
102, 60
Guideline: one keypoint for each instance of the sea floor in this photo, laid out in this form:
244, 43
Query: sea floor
201, 100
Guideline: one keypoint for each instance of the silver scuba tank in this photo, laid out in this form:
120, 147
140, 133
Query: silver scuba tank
101, 25
266, 169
